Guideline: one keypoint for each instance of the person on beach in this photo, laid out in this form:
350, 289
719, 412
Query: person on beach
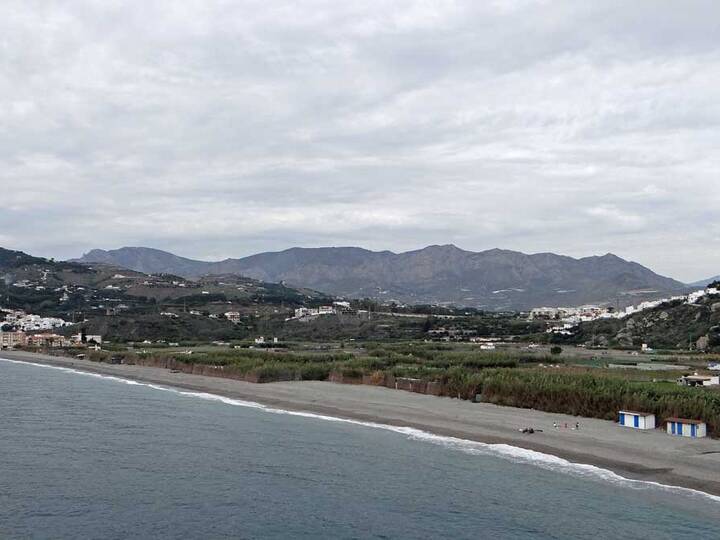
577, 426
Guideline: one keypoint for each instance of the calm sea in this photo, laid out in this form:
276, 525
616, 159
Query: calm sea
89, 457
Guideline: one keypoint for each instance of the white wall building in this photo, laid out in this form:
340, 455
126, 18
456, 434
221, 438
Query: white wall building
699, 380
233, 316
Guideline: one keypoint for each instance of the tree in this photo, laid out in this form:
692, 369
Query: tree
556, 350
428, 324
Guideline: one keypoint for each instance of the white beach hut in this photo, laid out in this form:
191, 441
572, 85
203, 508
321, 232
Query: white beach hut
682, 427
637, 420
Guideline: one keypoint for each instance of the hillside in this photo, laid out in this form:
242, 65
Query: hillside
148, 261
672, 325
126, 304
495, 279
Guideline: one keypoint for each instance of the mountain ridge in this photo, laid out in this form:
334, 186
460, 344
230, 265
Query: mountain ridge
704, 282
493, 279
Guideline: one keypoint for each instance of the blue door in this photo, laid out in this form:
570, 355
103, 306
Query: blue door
636, 421
679, 428
622, 419
672, 428
693, 430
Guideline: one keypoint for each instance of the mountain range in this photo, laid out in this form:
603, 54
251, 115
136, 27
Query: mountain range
495, 279
704, 282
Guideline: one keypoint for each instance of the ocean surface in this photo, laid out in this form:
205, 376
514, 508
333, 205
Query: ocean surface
84, 456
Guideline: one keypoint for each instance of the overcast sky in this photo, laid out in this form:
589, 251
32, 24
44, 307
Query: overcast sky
224, 128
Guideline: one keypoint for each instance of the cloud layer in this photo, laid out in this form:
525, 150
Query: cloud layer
218, 128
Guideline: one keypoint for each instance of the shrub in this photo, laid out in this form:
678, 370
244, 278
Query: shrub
314, 372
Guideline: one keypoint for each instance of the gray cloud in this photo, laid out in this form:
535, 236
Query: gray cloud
217, 128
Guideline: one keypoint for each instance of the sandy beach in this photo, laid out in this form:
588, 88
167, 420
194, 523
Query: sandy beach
652, 456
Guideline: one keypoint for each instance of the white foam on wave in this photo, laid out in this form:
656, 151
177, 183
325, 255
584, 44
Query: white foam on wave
508, 452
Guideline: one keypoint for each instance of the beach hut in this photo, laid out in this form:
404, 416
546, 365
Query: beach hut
682, 427
637, 420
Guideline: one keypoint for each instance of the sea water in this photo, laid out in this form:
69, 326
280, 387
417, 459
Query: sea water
86, 456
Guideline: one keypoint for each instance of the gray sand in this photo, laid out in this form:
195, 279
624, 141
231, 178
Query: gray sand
654, 456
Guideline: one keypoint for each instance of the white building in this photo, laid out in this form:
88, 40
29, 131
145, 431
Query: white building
699, 380
233, 316
301, 312
637, 420
682, 427
30, 323
545, 313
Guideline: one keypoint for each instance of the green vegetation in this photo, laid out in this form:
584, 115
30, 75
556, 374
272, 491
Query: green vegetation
595, 394
262, 366
505, 377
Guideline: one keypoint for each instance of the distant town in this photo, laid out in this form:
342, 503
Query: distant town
570, 317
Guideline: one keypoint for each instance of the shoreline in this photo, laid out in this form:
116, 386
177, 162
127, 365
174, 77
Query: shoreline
645, 456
